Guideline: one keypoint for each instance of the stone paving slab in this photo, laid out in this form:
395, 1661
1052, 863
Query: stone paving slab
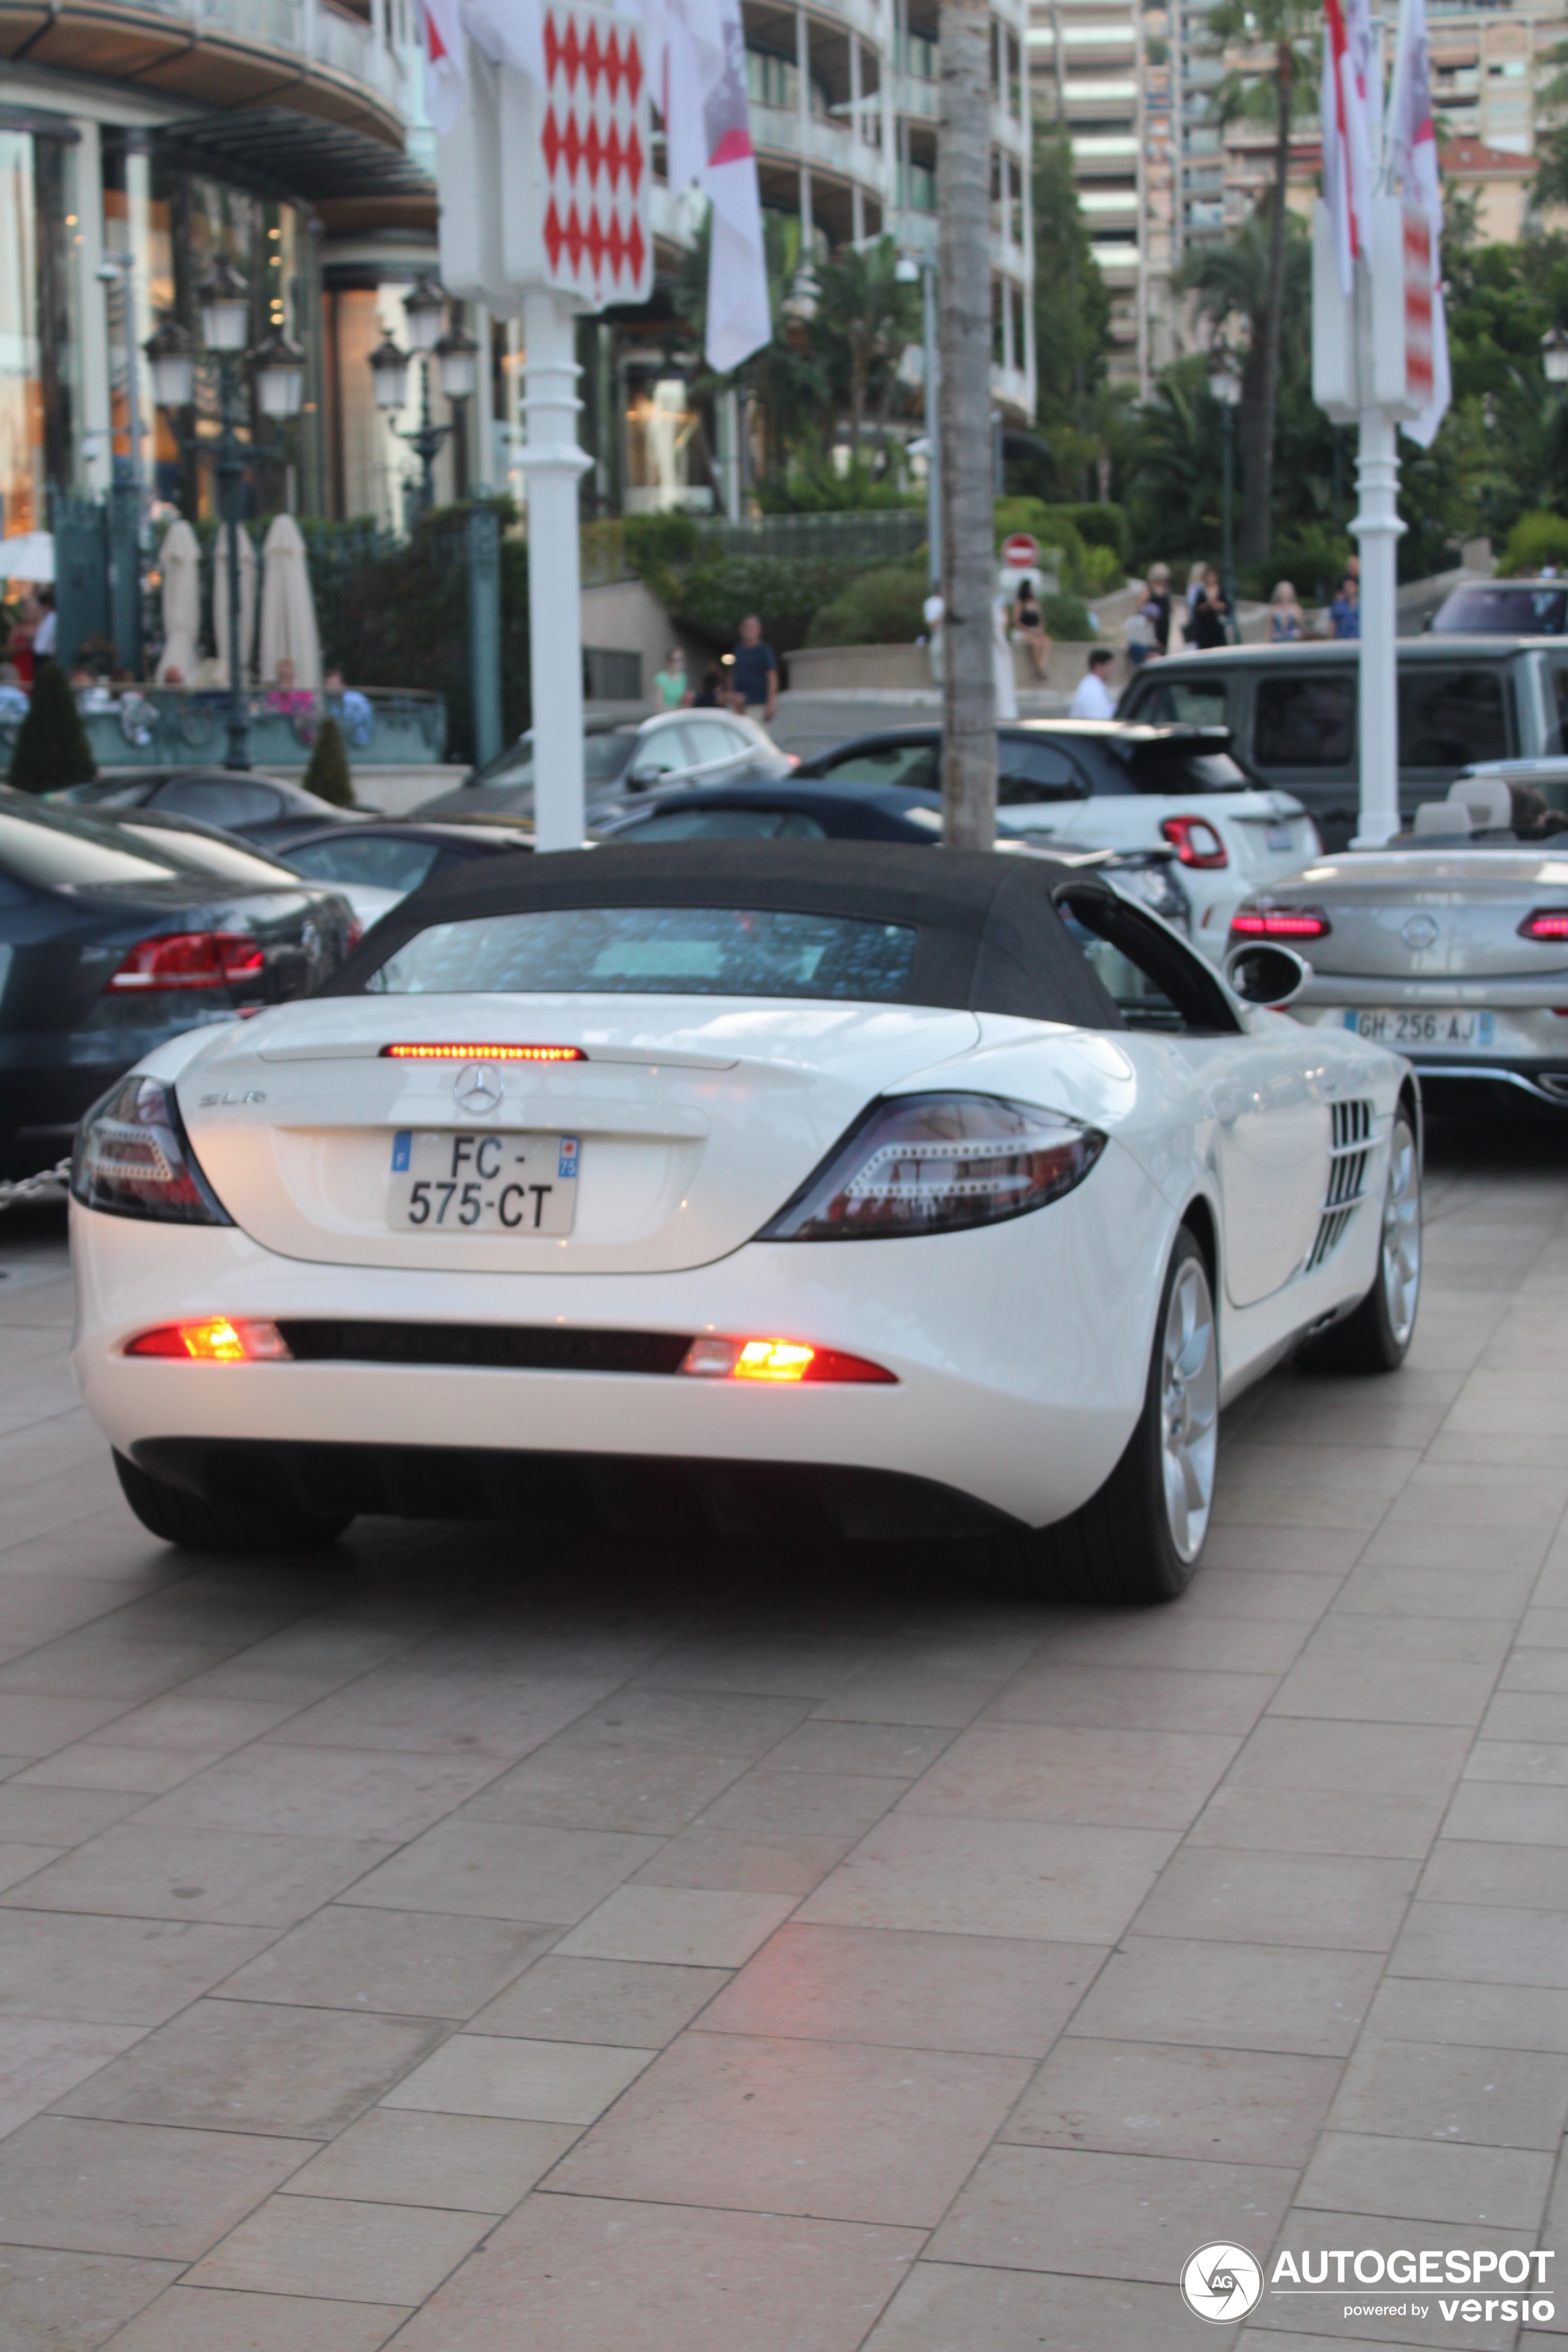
712, 1949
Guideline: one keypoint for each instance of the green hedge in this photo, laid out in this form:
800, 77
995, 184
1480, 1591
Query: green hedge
880, 608
1535, 538
712, 596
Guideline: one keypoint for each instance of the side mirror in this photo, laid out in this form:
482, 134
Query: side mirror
1262, 973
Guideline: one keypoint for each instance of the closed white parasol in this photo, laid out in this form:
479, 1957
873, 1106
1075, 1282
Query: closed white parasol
247, 604
180, 560
288, 630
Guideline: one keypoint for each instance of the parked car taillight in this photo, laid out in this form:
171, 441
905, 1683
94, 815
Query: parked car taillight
191, 959
1280, 923
1545, 923
134, 1158
936, 1163
1194, 841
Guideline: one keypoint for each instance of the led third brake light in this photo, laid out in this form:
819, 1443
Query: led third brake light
446, 1053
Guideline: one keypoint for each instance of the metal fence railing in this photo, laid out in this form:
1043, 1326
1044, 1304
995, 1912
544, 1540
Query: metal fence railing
164, 727
880, 536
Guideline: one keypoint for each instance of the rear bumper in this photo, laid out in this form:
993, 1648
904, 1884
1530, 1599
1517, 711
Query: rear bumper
623, 1492
1020, 1353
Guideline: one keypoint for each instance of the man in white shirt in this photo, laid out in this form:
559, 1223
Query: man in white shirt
1094, 699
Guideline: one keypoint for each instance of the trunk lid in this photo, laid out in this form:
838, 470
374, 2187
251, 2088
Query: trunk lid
696, 1118
1428, 915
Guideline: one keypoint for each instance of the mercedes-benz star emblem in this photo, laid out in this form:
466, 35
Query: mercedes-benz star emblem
1419, 932
476, 1088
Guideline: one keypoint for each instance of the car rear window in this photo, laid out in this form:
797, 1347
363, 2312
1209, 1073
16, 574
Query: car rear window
1033, 771
725, 825
1305, 721
1168, 770
199, 854
383, 863
913, 764
1516, 610
655, 951
1448, 718
1176, 702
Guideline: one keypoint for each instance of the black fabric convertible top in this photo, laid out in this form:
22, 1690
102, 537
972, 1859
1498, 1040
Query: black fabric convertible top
990, 938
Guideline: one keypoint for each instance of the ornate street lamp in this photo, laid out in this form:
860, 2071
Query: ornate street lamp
1554, 355
1224, 386
278, 367
458, 365
456, 355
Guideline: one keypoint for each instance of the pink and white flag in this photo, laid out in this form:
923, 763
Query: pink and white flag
1413, 163
446, 63
1348, 95
510, 32
740, 318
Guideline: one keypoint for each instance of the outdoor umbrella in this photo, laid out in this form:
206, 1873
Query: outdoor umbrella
246, 603
180, 560
288, 609
30, 555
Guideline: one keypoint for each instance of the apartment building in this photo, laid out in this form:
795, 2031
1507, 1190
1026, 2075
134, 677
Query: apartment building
1104, 69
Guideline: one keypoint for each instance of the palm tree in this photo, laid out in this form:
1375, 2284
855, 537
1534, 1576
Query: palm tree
1286, 32
963, 422
864, 320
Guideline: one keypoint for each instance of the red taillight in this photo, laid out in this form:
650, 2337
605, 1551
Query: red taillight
484, 1054
354, 935
218, 1340
782, 1361
1280, 923
1194, 841
191, 959
1545, 923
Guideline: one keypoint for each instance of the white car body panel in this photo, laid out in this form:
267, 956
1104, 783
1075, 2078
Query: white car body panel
1243, 820
1020, 1348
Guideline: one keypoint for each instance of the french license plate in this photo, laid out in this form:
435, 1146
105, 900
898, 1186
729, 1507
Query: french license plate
484, 1183
1279, 836
1411, 1028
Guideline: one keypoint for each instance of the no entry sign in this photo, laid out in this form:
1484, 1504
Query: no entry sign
1019, 552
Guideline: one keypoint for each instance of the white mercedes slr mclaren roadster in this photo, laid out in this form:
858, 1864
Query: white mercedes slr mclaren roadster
745, 1187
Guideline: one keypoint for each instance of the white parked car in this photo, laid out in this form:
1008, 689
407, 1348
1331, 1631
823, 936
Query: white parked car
740, 1187
1090, 783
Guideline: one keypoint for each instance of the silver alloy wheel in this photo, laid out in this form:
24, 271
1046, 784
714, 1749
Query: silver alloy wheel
1189, 1408
1401, 1260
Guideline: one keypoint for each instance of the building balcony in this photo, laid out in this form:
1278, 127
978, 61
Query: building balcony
307, 56
1117, 262
779, 135
1084, 93
917, 232
1110, 154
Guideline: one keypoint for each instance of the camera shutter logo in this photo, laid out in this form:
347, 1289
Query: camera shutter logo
1223, 2284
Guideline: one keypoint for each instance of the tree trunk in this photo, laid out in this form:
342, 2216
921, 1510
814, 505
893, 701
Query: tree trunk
1256, 535
964, 423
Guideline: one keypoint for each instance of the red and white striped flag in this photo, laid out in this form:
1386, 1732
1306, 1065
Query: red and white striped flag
1413, 162
1348, 97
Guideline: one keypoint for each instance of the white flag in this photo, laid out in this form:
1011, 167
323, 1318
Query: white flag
1413, 162
740, 320
446, 63
510, 32
1349, 72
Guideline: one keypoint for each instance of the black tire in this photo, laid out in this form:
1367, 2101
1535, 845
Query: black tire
1119, 1547
1375, 1337
178, 1517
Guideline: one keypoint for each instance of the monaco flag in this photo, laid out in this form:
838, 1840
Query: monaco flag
446, 63
1349, 78
1413, 162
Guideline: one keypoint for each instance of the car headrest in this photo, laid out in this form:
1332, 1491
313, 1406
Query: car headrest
1443, 816
1488, 800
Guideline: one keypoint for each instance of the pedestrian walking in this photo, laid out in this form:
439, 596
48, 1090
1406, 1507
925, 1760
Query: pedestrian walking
45, 634
1157, 606
1211, 619
1287, 623
1093, 697
712, 694
1344, 613
754, 676
671, 687
1029, 624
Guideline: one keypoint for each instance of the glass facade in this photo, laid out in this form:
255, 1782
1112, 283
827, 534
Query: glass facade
40, 353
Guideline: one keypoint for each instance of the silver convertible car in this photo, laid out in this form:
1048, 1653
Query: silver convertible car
1450, 945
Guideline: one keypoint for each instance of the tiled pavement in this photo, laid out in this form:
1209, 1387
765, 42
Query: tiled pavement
631, 1949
